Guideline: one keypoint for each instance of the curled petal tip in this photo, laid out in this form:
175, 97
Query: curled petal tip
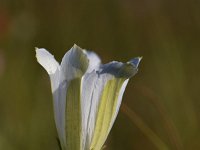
47, 60
136, 61
37, 50
74, 46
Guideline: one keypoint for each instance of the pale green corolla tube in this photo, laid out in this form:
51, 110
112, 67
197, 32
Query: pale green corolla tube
86, 95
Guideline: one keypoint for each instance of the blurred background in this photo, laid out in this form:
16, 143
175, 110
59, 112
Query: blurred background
161, 106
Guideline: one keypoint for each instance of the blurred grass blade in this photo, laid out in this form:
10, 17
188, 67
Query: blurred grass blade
168, 123
150, 134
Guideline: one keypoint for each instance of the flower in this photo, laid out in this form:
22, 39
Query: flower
86, 95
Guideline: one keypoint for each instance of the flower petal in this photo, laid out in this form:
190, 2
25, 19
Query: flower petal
94, 61
66, 80
47, 60
114, 77
74, 64
73, 67
121, 70
91, 92
49, 63
88, 84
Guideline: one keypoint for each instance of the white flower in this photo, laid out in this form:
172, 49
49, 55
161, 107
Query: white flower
86, 95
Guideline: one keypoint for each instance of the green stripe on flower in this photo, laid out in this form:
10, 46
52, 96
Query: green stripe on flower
106, 112
73, 116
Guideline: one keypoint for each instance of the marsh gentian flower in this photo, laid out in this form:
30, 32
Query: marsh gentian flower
86, 95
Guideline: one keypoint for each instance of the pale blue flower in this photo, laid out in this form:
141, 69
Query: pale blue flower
86, 95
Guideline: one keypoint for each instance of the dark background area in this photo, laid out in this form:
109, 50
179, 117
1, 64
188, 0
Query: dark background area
163, 99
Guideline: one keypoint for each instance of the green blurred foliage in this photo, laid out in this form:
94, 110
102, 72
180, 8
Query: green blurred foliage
164, 94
